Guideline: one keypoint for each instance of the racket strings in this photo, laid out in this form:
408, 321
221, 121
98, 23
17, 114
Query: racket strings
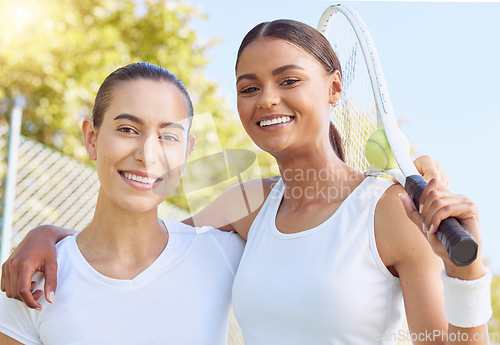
355, 116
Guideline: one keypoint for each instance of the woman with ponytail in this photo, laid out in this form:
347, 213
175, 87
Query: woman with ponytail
330, 260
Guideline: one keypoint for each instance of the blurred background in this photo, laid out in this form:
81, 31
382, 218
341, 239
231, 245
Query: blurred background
440, 61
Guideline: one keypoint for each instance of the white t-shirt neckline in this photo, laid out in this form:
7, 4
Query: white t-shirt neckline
142, 278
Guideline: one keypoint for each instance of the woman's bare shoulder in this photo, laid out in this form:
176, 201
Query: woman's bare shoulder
236, 208
400, 242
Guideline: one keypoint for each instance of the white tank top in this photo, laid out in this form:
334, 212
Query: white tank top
325, 285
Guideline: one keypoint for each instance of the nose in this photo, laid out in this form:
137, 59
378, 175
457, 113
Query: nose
268, 98
147, 151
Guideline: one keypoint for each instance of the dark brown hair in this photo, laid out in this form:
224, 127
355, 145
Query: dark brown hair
134, 71
309, 39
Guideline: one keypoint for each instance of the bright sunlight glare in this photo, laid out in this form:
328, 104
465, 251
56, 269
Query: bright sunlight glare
18, 17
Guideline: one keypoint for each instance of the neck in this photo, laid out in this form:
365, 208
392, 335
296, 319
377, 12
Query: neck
315, 174
119, 234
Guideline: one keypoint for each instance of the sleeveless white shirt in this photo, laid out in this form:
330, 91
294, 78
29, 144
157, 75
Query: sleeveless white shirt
325, 285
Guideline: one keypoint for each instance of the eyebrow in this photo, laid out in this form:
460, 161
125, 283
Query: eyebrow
253, 76
284, 68
141, 122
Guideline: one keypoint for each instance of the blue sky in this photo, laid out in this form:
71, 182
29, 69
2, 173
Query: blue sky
441, 63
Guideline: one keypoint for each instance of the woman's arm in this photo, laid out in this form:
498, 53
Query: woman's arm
236, 208
5, 340
233, 210
405, 247
36, 252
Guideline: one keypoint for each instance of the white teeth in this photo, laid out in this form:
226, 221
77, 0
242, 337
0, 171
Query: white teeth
275, 121
146, 180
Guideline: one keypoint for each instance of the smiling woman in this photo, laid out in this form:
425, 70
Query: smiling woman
128, 267
333, 260
134, 128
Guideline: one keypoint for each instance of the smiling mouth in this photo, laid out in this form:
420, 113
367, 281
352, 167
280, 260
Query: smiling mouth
275, 121
140, 179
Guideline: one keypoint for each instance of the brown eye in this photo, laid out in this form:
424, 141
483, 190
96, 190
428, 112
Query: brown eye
168, 137
289, 82
127, 130
247, 90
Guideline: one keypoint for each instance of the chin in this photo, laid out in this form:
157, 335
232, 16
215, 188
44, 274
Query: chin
139, 205
273, 146
141, 210
165, 189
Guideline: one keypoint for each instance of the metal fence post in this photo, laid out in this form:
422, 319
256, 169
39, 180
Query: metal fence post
10, 178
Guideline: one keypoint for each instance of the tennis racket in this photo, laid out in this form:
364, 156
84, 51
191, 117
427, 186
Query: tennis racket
365, 106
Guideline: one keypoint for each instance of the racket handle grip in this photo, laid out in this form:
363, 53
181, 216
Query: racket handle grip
459, 244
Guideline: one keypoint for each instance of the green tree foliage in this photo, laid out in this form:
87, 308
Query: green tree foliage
494, 324
56, 53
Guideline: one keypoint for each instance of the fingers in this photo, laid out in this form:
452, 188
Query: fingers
431, 169
410, 209
36, 293
35, 253
20, 287
5, 285
50, 281
2, 281
413, 214
24, 284
12, 279
437, 205
6, 282
430, 193
17, 284
442, 206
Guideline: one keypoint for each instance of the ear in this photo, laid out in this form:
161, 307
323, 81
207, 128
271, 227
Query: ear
190, 145
89, 136
191, 140
335, 91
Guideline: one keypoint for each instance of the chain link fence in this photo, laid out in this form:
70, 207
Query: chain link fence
56, 189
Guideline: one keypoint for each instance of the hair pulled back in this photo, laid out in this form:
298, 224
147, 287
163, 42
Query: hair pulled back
131, 72
309, 39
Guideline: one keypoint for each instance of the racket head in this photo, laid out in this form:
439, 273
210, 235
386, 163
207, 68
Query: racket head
365, 104
355, 115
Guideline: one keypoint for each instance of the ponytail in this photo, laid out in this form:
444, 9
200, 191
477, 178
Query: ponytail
336, 142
